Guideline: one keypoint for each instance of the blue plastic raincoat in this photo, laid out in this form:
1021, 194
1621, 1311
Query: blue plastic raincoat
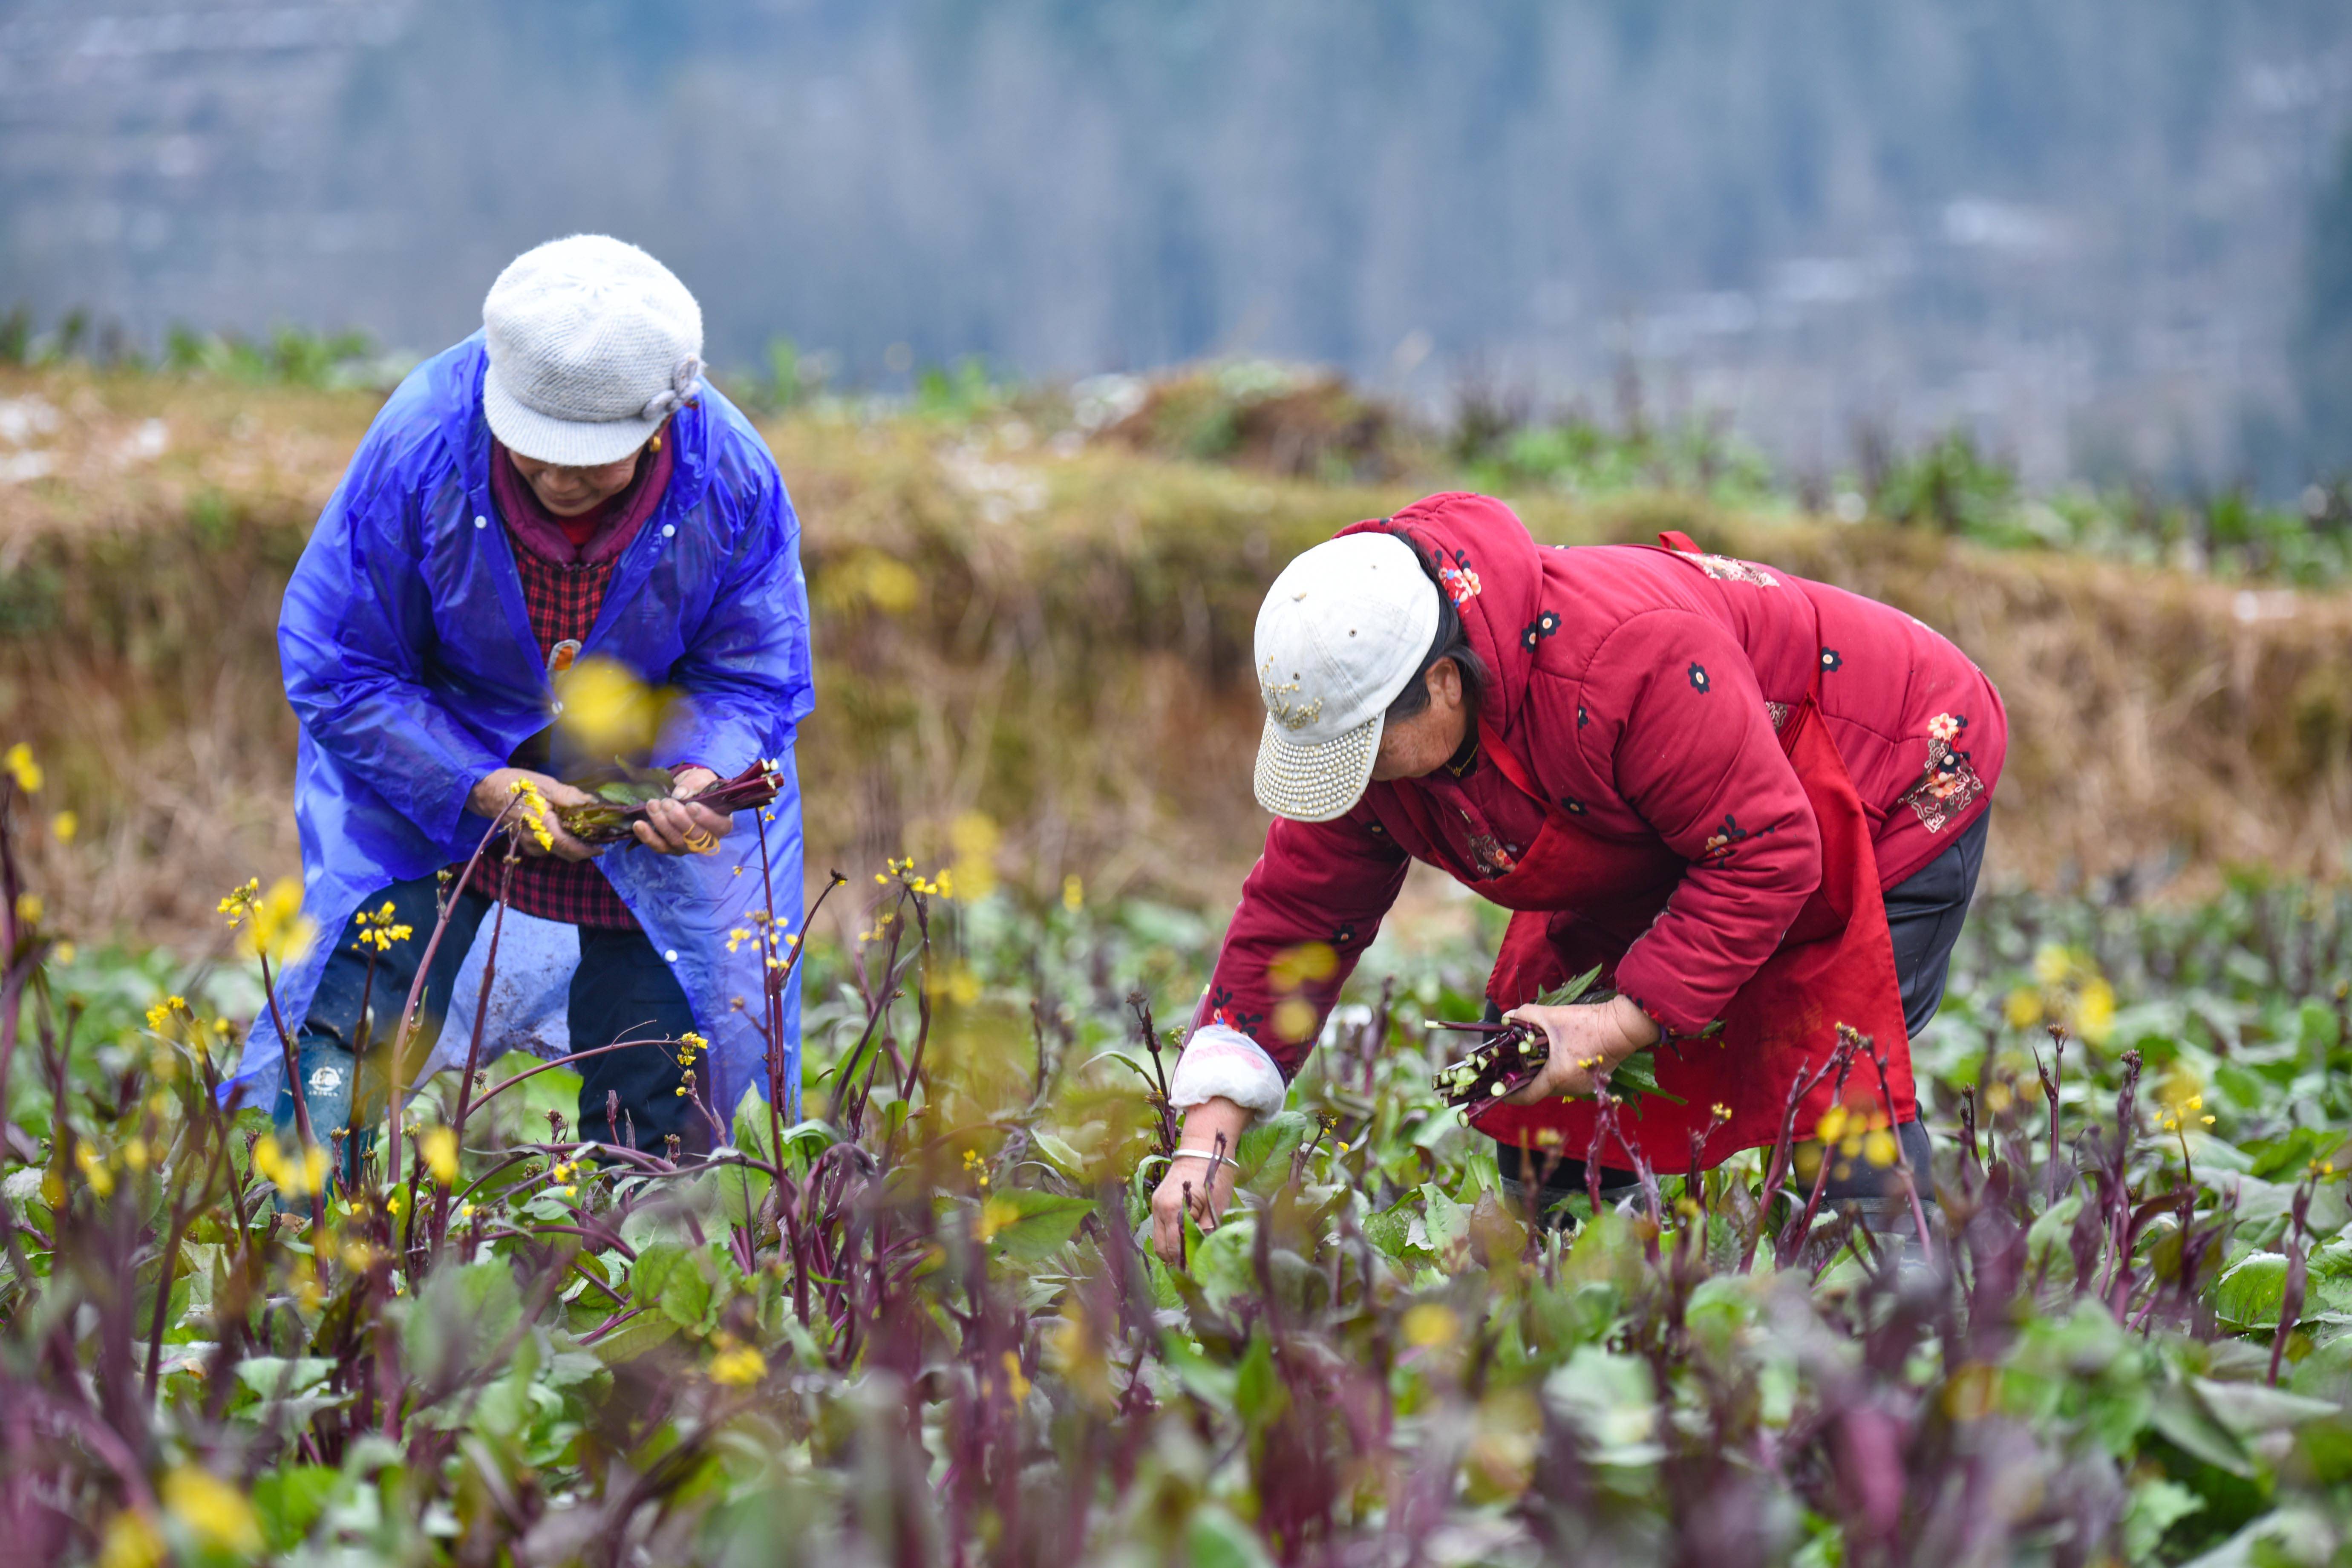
410, 662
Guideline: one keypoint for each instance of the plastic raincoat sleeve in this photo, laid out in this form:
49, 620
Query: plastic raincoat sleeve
747, 671
351, 639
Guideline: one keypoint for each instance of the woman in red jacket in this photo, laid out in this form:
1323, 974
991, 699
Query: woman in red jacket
1757, 802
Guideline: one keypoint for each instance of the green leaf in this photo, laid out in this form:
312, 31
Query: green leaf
1039, 1224
1259, 1396
1267, 1148
1206, 1381
2182, 1417
289, 1499
2249, 1409
273, 1376
1568, 991
686, 1295
2156, 1507
1638, 1075
1060, 1155
1215, 1539
1444, 1221
1389, 1230
2252, 1290
1120, 1057
633, 1337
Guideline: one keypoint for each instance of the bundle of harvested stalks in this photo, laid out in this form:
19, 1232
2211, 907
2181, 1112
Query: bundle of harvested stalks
624, 792
1509, 1057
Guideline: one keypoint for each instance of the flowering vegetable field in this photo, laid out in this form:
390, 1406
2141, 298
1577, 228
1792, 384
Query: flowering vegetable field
912, 1324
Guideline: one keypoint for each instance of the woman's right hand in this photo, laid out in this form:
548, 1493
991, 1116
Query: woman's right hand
1209, 1198
496, 789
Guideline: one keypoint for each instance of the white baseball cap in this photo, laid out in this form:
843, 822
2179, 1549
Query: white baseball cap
1342, 630
592, 344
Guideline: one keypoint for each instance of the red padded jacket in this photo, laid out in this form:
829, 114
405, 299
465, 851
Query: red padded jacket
1642, 686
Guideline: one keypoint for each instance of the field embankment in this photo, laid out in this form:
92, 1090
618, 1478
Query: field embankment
1054, 639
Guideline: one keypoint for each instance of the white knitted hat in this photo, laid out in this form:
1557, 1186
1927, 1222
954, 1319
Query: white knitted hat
592, 344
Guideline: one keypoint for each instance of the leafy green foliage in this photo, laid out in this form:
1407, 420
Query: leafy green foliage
918, 1326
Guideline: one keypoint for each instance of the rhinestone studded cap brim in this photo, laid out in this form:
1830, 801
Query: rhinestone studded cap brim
1318, 783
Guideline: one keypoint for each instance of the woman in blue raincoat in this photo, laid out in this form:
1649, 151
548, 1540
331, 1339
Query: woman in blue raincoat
559, 488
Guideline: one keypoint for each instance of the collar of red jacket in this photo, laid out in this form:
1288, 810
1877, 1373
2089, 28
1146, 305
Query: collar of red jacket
1492, 568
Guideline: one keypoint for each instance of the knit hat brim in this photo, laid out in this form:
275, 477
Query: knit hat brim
571, 443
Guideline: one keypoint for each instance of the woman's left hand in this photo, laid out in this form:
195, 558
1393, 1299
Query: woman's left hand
675, 826
1586, 1040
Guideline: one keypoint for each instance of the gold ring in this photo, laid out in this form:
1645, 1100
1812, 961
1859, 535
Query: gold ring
702, 841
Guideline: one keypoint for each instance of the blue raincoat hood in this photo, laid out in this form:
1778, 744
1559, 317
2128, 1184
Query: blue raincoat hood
410, 662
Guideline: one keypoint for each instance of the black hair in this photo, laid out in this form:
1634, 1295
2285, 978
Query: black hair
1451, 641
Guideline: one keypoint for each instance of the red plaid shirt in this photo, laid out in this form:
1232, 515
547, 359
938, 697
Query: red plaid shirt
563, 596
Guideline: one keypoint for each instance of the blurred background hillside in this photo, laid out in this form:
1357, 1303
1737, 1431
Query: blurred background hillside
1070, 321
2111, 239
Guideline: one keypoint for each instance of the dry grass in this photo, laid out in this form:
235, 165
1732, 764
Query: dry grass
1059, 643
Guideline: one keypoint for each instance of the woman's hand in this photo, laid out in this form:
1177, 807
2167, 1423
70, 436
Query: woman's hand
1586, 1041
675, 826
495, 792
1202, 1124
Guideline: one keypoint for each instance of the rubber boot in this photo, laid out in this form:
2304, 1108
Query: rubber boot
331, 1093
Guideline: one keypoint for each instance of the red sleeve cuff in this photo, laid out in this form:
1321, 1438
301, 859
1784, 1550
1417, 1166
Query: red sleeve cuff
1645, 979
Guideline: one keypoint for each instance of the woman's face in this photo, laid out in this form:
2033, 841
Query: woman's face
568, 493
1424, 742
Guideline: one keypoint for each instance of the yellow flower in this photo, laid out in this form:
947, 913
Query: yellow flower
131, 1542
2051, 965
295, 1177
439, 1149
93, 1169
134, 1153
2094, 1012
1878, 1147
64, 826
975, 837
995, 1215
603, 705
22, 771
214, 1511
1015, 1383
533, 811
1431, 1324
2023, 1008
1831, 1126
379, 929
303, 1278
738, 1366
63, 952
28, 909
1301, 965
273, 922
1294, 1018
1074, 893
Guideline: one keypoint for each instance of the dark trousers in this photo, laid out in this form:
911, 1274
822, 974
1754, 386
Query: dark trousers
622, 990
1923, 914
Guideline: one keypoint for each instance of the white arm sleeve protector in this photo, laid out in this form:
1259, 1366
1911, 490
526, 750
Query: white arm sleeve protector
1220, 1063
